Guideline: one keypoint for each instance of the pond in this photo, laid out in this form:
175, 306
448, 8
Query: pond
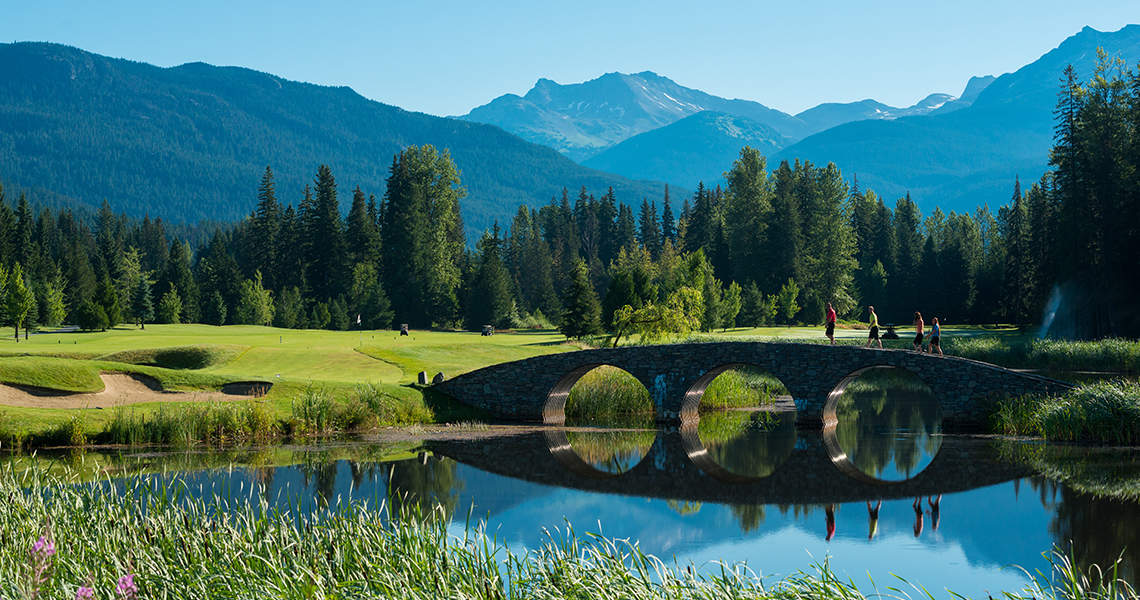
882, 492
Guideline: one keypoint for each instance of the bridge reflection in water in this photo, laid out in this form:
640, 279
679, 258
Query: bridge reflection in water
678, 466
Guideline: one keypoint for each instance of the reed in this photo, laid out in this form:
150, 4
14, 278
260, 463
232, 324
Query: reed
150, 541
1105, 412
192, 423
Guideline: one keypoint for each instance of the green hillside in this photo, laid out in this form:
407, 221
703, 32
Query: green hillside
190, 142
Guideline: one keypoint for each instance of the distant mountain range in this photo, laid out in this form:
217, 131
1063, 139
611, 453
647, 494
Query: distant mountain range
697, 148
954, 152
960, 159
191, 142
582, 119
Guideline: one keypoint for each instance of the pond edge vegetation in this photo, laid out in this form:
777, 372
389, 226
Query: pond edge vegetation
89, 538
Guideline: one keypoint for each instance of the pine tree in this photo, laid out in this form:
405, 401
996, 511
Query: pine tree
142, 306
324, 233
649, 230
265, 230
668, 224
489, 300
749, 211
361, 234
582, 313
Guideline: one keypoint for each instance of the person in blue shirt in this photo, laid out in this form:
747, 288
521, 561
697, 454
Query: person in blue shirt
935, 336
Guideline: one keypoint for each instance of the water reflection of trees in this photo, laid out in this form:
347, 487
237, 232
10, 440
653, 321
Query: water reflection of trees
417, 485
748, 443
1098, 531
611, 450
1094, 493
888, 419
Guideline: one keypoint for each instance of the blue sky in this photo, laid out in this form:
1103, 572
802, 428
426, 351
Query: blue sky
446, 57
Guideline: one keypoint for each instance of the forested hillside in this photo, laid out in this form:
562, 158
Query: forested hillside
961, 159
189, 142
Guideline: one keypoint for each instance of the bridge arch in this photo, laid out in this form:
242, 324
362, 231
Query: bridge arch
554, 409
690, 405
562, 449
836, 394
900, 400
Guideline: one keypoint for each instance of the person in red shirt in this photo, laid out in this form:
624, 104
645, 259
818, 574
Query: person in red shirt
830, 514
830, 332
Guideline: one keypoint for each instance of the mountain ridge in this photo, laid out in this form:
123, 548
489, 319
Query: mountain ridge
190, 142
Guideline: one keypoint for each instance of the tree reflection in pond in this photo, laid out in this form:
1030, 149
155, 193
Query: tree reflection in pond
889, 424
422, 485
748, 443
611, 450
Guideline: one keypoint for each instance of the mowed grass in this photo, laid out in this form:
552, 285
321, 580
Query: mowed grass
292, 360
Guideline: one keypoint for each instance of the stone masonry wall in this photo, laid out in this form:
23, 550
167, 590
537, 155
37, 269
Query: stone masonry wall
535, 389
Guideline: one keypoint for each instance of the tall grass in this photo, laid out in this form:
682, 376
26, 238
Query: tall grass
1117, 355
1107, 412
742, 388
236, 547
185, 424
316, 411
609, 395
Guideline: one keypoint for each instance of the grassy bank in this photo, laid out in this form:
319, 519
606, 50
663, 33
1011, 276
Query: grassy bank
1106, 412
90, 536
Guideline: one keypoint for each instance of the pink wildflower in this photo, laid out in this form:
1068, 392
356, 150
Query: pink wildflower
85, 593
127, 590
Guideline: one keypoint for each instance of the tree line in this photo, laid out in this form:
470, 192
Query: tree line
767, 247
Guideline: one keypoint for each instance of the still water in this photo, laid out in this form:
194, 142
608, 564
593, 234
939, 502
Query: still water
882, 493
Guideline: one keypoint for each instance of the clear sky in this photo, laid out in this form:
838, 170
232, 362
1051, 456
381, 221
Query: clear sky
445, 57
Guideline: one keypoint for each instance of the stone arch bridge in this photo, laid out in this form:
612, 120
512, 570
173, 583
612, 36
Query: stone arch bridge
676, 375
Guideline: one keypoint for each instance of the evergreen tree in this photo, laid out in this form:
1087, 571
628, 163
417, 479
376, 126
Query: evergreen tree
169, 307
142, 306
423, 237
582, 313
649, 231
361, 233
668, 224
265, 230
749, 210
324, 239
288, 308
489, 298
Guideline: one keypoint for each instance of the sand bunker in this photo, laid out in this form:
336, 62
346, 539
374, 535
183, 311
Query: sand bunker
120, 389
